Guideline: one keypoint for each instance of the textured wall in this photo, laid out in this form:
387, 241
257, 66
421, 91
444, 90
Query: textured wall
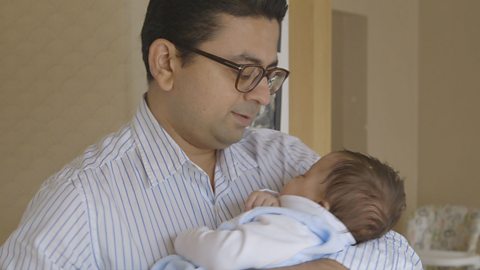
449, 126
67, 78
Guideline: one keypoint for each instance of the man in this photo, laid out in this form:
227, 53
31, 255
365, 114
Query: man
187, 159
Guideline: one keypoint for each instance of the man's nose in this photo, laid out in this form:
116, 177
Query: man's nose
261, 93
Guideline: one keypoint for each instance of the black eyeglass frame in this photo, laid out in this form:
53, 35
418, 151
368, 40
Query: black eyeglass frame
240, 67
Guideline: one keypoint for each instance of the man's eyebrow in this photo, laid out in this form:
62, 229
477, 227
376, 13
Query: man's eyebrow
251, 59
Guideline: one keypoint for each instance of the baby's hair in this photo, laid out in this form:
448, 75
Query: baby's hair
367, 195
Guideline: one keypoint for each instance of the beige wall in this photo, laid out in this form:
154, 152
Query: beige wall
68, 76
349, 81
449, 97
391, 85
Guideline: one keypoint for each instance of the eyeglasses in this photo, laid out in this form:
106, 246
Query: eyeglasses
249, 75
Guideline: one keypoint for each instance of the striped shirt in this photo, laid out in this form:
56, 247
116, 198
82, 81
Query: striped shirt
120, 204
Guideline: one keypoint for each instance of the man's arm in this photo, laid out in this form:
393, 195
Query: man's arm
390, 251
323, 264
54, 224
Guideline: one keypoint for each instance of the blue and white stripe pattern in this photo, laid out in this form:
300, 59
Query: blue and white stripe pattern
121, 203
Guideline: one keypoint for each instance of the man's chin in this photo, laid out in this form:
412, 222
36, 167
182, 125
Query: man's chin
230, 138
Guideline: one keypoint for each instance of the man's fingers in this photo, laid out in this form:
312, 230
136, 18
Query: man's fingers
257, 199
260, 201
274, 202
249, 202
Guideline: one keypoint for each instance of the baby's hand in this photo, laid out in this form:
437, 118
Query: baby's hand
261, 198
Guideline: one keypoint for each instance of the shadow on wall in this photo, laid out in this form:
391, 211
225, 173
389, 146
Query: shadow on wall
349, 81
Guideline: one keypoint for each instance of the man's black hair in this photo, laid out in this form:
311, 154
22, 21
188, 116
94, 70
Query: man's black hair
191, 22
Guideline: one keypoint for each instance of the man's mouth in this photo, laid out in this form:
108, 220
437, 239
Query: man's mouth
243, 119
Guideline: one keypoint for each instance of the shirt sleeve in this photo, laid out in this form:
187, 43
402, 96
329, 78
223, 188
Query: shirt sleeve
53, 234
298, 156
280, 156
391, 251
270, 239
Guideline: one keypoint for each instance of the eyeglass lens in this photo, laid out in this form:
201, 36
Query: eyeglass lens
251, 76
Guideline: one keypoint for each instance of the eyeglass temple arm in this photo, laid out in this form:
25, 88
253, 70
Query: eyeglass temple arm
218, 59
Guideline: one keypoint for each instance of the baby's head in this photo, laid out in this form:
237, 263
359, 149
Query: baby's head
365, 194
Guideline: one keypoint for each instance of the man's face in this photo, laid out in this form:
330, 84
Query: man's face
206, 109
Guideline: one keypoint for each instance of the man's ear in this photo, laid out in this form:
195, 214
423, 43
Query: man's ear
161, 60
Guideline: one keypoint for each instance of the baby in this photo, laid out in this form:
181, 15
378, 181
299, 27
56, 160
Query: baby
344, 199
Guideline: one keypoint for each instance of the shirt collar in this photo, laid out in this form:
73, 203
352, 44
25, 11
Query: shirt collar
162, 157
235, 160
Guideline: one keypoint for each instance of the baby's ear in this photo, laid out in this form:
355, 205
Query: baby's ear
325, 204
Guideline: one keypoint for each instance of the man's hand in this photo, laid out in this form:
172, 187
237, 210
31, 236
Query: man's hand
322, 264
261, 198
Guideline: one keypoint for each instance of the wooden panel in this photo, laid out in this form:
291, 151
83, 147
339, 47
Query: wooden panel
310, 81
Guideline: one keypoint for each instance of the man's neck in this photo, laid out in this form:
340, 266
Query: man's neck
207, 162
202, 157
